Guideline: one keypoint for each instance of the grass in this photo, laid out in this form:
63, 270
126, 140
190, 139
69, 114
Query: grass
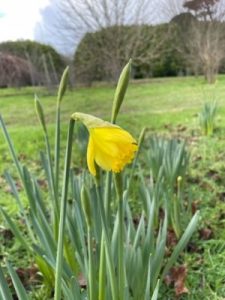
166, 106
154, 104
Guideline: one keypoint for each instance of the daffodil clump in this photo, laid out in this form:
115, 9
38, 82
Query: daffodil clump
93, 234
109, 146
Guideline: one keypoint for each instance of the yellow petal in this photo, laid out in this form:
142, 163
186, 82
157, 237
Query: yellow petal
109, 146
105, 161
90, 156
114, 147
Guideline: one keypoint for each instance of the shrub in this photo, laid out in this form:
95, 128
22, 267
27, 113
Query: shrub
207, 118
14, 71
100, 55
46, 61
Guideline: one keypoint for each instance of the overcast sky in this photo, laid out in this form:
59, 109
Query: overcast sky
18, 18
27, 19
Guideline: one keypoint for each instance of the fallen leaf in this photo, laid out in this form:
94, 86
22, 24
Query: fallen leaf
171, 239
205, 233
177, 276
82, 281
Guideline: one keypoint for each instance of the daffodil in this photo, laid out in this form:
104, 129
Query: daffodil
110, 146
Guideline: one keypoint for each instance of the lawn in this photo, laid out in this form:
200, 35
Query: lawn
153, 104
167, 107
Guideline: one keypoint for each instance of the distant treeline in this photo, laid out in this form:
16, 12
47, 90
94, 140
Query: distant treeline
185, 46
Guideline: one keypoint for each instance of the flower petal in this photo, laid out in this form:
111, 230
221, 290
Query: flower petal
104, 159
91, 156
114, 147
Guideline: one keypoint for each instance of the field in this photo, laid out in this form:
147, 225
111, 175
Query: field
167, 107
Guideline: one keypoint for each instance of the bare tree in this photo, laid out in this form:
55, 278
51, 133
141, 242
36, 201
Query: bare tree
75, 18
205, 10
206, 43
14, 71
200, 33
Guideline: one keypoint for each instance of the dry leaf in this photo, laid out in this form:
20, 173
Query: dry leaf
177, 276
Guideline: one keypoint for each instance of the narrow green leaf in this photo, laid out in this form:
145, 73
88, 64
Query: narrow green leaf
20, 291
182, 242
4, 289
156, 291
148, 281
15, 230
11, 148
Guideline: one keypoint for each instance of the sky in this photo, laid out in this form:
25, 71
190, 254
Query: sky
19, 17
34, 20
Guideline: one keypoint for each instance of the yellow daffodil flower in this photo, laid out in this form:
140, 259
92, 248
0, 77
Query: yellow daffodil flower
109, 146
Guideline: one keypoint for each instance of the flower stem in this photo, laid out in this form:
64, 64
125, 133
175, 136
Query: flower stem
108, 253
59, 258
107, 195
102, 271
121, 271
57, 149
91, 273
121, 277
102, 265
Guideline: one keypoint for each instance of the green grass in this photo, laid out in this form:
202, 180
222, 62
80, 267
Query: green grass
153, 98
153, 103
166, 106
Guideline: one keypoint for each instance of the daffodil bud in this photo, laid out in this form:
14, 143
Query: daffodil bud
109, 146
85, 202
121, 90
179, 182
63, 85
179, 179
40, 113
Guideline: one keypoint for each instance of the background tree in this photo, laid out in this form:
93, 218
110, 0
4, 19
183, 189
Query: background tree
78, 19
206, 10
207, 36
95, 59
201, 36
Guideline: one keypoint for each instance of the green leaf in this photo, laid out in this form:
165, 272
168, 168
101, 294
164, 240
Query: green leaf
15, 230
182, 243
20, 291
4, 289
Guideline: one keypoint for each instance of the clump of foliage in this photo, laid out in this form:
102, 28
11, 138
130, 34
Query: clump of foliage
207, 118
14, 71
96, 235
44, 64
169, 161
